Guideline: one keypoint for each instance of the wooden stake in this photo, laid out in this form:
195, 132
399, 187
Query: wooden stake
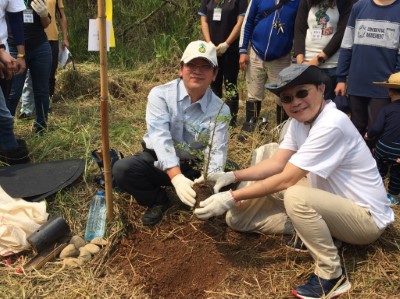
104, 108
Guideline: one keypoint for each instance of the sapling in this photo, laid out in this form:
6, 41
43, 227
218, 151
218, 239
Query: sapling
205, 138
205, 189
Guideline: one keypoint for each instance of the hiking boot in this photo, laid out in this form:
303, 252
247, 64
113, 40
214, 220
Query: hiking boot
39, 130
318, 287
19, 155
154, 214
260, 124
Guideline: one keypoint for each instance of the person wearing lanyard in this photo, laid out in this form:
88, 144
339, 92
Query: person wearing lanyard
56, 10
38, 61
221, 21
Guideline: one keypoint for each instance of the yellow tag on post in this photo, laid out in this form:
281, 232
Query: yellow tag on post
109, 18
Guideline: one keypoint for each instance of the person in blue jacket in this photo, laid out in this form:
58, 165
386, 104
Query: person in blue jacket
370, 52
265, 43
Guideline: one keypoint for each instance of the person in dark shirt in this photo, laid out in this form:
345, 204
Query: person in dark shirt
38, 60
220, 24
386, 130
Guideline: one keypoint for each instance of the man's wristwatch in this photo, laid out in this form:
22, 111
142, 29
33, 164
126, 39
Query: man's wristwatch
321, 59
19, 55
3, 46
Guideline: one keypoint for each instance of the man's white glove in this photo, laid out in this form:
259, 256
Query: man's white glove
40, 7
221, 179
215, 205
221, 49
183, 187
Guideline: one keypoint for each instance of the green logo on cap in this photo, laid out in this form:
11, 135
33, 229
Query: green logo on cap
202, 48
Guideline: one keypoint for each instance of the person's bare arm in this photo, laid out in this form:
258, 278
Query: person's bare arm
205, 29
235, 31
62, 21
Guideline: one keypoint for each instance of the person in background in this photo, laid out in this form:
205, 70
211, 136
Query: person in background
12, 9
322, 144
319, 30
56, 10
38, 60
370, 52
182, 117
386, 131
265, 43
220, 24
12, 150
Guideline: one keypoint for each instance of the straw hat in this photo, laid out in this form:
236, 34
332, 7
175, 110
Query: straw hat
392, 82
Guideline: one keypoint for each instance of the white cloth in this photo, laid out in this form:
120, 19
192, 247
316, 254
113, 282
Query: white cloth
339, 161
8, 6
18, 220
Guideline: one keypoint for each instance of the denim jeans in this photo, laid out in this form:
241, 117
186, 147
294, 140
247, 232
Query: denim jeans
7, 137
330, 90
28, 102
38, 61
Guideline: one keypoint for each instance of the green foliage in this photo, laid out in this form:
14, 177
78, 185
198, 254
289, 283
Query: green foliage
144, 30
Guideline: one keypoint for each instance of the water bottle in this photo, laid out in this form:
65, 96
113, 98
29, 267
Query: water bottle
95, 226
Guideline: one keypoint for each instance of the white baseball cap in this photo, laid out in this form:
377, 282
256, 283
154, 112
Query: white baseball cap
200, 49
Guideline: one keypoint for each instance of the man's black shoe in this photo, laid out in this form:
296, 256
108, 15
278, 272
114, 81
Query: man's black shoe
154, 214
19, 155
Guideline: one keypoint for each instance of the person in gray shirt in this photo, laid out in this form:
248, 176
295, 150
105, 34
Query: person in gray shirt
182, 117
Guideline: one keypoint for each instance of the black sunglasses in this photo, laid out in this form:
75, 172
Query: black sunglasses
300, 94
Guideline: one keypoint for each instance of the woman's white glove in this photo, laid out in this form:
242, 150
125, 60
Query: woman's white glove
221, 49
183, 187
221, 179
215, 205
40, 7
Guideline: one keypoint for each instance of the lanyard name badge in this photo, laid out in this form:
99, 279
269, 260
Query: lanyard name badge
316, 33
28, 15
218, 11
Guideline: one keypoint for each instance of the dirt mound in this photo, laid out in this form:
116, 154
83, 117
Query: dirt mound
187, 258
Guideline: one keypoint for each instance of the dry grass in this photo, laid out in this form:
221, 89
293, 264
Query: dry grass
75, 130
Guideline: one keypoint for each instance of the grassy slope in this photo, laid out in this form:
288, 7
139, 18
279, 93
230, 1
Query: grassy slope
75, 131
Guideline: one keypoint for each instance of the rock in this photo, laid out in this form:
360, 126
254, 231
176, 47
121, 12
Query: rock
92, 248
77, 241
84, 254
99, 241
69, 251
84, 259
73, 262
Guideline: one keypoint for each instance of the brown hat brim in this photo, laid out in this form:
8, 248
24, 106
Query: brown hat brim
388, 85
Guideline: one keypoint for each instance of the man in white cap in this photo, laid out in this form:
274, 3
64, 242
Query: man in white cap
346, 198
180, 118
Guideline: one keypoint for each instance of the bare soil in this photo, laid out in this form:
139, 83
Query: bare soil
203, 191
183, 257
